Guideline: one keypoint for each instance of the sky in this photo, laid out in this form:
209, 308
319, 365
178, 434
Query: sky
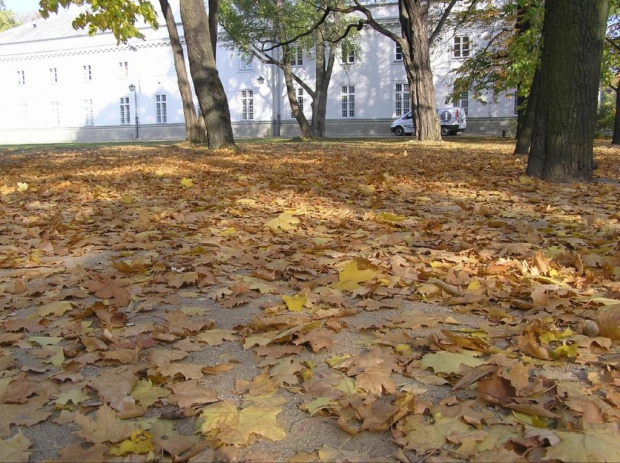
22, 6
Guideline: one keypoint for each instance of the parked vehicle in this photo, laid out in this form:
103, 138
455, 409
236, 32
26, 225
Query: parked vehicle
452, 119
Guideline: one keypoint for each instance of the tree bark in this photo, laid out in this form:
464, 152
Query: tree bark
300, 117
323, 70
416, 56
526, 122
565, 121
213, 25
615, 139
194, 131
207, 83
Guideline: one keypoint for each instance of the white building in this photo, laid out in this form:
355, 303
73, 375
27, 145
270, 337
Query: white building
60, 84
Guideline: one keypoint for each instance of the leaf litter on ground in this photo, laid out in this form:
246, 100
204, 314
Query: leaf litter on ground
361, 300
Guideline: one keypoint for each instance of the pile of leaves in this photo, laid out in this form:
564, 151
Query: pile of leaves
164, 303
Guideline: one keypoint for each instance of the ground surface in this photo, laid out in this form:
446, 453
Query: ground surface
378, 300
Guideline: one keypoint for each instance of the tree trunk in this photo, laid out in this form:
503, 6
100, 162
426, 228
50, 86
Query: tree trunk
615, 140
300, 117
323, 71
207, 83
194, 133
562, 142
416, 55
526, 122
213, 25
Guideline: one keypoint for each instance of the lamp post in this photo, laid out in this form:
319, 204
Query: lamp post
132, 88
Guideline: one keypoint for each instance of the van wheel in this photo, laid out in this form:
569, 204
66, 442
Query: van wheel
399, 131
445, 131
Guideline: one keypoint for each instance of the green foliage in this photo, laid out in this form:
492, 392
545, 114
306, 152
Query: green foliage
606, 113
254, 27
512, 55
7, 18
118, 16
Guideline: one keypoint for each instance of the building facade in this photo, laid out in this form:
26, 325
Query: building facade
62, 85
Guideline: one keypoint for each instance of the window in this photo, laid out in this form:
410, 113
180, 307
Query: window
88, 112
297, 57
88, 74
161, 109
463, 102
398, 53
246, 65
55, 109
348, 100
515, 103
402, 99
299, 92
247, 104
348, 55
125, 112
461, 46
124, 69
21, 78
53, 76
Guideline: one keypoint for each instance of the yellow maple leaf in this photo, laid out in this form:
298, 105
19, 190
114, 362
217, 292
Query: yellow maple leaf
229, 426
389, 218
139, 443
295, 303
187, 182
285, 221
355, 272
22, 186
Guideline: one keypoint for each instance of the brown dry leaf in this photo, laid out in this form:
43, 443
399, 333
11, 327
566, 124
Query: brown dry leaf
216, 337
415, 432
223, 423
24, 414
597, 443
318, 339
190, 393
187, 370
79, 454
375, 381
15, 449
106, 427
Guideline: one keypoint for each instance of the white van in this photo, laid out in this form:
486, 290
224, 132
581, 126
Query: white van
452, 120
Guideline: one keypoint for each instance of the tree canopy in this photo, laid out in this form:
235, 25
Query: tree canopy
8, 19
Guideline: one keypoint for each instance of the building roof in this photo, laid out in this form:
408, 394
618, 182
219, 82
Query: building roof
57, 26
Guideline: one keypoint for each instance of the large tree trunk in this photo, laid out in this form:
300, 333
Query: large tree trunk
194, 131
526, 122
213, 25
304, 126
416, 55
207, 83
615, 139
324, 69
562, 143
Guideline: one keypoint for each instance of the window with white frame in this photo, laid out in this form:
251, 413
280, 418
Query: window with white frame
125, 110
89, 118
246, 65
299, 93
398, 52
55, 110
88, 73
297, 56
161, 108
348, 54
402, 99
53, 76
21, 78
463, 102
461, 46
348, 100
123, 69
247, 105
